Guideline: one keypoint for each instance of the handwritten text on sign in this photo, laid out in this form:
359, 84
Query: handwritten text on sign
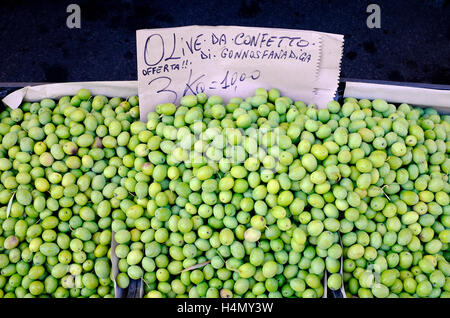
225, 61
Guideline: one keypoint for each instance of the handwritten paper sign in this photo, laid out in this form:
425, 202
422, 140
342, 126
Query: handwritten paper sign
229, 61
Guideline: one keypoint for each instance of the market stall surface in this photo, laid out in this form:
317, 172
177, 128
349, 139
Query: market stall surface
37, 46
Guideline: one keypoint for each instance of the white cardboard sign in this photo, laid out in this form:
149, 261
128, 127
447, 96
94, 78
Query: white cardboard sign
232, 61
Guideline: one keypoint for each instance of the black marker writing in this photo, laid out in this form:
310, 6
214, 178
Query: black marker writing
159, 81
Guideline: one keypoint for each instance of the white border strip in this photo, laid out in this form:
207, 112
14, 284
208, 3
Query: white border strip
436, 98
36, 93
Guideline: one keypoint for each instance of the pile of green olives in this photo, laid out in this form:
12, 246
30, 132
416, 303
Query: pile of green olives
396, 233
223, 204
259, 197
60, 172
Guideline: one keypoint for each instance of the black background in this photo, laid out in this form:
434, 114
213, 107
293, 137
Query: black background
413, 44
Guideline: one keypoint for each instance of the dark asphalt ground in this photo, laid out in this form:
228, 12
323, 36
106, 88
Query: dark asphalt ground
412, 45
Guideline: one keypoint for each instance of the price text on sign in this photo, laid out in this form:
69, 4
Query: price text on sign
225, 61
